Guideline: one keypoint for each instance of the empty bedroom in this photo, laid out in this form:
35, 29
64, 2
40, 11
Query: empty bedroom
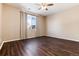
39, 29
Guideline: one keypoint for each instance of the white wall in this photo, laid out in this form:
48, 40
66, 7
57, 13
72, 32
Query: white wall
64, 25
0, 23
10, 23
41, 26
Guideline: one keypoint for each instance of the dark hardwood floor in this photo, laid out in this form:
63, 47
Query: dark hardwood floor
41, 46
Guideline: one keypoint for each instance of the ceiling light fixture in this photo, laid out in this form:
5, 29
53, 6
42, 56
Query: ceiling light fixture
44, 6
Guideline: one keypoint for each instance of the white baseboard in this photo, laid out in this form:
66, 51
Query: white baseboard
7, 41
11, 40
46, 35
65, 38
1, 45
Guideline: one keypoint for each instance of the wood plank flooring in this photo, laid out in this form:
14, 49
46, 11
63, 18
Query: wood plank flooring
41, 46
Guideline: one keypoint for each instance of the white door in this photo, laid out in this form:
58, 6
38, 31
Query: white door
31, 26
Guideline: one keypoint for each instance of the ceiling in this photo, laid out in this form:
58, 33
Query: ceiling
56, 8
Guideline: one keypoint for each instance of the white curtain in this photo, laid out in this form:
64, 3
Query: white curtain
23, 25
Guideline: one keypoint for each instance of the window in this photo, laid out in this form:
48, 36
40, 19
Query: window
31, 20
